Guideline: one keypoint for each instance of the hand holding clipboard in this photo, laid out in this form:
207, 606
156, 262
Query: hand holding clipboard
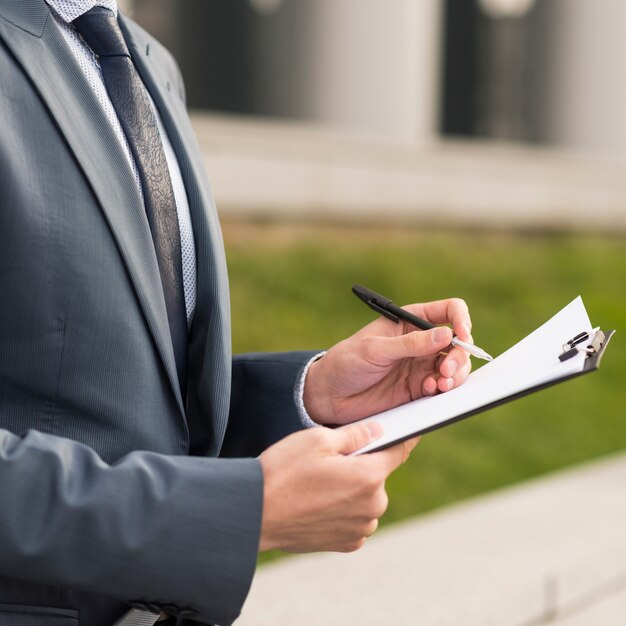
564, 347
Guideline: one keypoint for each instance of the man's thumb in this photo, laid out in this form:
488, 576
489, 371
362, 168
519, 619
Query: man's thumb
355, 436
418, 343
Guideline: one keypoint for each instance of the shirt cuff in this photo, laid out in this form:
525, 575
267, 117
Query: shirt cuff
298, 395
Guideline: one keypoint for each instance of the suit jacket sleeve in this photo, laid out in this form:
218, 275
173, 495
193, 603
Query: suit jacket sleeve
136, 530
263, 409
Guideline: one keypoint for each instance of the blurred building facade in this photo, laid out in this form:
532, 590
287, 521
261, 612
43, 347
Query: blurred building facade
408, 70
489, 113
364, 65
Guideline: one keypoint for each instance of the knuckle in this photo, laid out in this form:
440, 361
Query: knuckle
352, 438
412, 339
319, 435
373, 481
358, 436
380, 505
370, 528
413, 342
353, 546
459, 303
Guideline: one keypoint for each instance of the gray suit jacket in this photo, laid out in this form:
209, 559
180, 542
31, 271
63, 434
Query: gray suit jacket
101, 505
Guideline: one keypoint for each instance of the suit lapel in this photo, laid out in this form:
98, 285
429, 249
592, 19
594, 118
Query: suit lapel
38, 45
210, 348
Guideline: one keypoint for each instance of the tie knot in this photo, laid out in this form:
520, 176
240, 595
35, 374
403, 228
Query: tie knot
100, 30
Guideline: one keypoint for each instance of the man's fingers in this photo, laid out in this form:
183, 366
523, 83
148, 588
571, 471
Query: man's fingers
414, 344
355, 436
456, 362
459, 317
453, 311
391, 458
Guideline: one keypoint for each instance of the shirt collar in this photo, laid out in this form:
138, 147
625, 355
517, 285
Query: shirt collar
69, 10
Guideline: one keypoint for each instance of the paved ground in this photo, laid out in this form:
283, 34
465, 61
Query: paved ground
550, 551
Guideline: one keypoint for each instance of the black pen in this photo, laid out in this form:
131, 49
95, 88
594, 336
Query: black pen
386, 307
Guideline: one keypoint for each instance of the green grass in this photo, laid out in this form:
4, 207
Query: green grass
291, 289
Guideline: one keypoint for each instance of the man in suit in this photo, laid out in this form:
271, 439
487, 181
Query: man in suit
136, 469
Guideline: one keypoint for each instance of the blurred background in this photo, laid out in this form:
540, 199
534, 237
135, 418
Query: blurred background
493, 113
424, 148
408, 71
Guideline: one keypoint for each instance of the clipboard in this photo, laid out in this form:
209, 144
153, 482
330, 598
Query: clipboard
562, 349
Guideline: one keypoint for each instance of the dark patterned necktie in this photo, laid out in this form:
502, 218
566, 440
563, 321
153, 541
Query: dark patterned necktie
102, 33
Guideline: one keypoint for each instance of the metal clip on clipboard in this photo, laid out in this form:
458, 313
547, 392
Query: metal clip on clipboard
574, 345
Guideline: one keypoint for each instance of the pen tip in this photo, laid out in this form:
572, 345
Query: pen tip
485, 356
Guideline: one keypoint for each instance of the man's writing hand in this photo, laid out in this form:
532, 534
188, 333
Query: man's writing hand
316, 498
387, 364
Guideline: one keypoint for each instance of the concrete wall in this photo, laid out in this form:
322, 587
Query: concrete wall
295, 171
585, 90
369, 66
